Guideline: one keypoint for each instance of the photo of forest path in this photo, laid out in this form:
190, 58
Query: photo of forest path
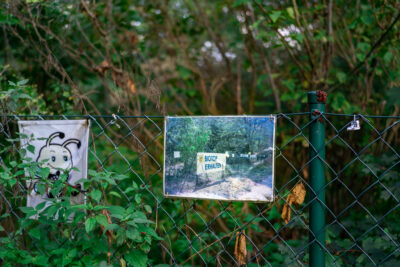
223, 157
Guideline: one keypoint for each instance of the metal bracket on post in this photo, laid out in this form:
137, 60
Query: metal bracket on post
316, 101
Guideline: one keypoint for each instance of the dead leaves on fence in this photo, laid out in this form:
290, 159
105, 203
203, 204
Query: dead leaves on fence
240, 249
295, 197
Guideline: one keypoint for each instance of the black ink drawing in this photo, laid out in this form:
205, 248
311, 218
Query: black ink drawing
56, 157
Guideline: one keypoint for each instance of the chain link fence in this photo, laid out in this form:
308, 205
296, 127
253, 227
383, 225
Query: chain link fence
361, 206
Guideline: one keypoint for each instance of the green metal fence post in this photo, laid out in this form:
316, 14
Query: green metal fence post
316, 101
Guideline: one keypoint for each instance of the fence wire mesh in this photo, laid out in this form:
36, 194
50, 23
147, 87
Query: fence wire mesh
362, 193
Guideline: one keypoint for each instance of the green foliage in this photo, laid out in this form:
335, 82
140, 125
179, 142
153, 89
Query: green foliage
202, 57
60, 233
22, 98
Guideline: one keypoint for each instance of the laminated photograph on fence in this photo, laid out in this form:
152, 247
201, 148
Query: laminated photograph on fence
60, 150
219, 157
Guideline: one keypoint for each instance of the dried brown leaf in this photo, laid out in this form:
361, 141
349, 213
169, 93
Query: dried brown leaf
286, 211
131, 86
103, 67
299, 193
123, 81
240, 249
297, 196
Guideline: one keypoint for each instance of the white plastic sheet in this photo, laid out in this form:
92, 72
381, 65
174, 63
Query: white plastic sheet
61, 146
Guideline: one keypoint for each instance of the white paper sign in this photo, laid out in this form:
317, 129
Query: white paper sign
60, 145
210, 162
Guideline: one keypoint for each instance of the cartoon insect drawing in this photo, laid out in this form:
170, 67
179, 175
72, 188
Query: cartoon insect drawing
56, 157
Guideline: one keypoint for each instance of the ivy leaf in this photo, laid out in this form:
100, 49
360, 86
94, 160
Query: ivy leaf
90, 224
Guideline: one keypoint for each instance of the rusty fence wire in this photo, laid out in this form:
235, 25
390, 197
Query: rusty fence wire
362, 192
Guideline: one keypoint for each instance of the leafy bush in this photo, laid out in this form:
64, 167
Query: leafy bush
60, 233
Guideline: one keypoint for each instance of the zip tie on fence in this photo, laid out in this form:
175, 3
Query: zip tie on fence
114, 121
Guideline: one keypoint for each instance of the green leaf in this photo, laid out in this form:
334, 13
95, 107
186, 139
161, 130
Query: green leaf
141, 220
90, 224
388, 57
136, 258
363, 47
35, 232
27, 210
367, 18
290, 12
51, 211
239, 3
12, 182
147, 208
183, 72
31, 148
289, 83
95, 195
121, 236
133, 234
44, 172
116, 211
122, 262
341, 76
275, 15
23, 82
92, 172
40, 206
138, 198
113, 193
102, 219
149, 231
112, 227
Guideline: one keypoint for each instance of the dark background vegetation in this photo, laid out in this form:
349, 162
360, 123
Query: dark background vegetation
228, 57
